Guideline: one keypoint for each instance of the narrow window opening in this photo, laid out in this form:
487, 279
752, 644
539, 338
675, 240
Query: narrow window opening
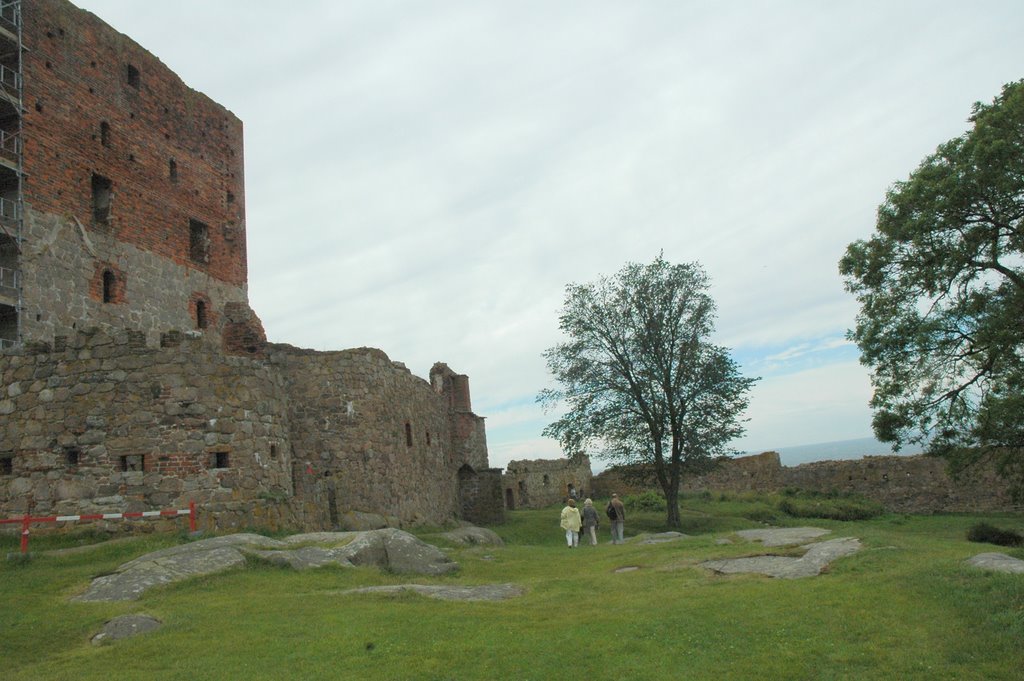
109, 282
133, 76
273, 451
131, 462
547, 480
172, 170
198, 241
105, 133
101, 196
231, 197
6, 466
428, 438
72, 456
219, 460
408, 435
200, 314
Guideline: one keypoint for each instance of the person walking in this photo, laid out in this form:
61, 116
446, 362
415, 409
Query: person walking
571, 524
617, 514
590, 520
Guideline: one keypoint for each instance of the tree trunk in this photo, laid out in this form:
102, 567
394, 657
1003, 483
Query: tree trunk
672, 512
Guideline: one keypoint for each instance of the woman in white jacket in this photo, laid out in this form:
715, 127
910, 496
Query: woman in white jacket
571, 524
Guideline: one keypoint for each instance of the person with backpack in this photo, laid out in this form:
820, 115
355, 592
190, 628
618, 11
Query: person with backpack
617, 515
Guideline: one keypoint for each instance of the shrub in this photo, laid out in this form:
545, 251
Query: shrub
990, 534
849, 508
645, 501
761, 515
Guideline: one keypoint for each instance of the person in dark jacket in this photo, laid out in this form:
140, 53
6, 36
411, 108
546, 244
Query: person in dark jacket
617, 514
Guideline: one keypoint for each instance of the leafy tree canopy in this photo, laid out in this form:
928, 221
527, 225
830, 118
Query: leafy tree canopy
941, 289
640, 377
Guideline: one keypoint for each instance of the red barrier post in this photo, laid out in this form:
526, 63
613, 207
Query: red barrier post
192, 516
24, 533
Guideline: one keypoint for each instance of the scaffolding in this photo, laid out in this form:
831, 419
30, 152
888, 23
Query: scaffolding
11, 173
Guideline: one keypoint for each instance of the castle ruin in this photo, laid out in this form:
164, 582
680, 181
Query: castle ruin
135, 376
540, 483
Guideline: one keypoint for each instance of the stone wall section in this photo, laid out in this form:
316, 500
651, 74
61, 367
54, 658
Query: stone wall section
540, 483
480, 496
902, 484
379, 434
104, 424
106, 122
62, 264
134, 218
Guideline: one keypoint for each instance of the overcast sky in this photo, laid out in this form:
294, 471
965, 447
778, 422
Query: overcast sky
426, 177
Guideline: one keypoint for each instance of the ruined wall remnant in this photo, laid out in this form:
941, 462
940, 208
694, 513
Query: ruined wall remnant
903, 484
480, 496
907, 484
135, 374
382, 435
129, 175
103, 423
539, 483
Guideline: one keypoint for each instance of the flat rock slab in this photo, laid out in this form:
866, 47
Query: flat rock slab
474, 536
783, 536
662, 537
811, 564
389, 549
126, 626
997, 562
486, 592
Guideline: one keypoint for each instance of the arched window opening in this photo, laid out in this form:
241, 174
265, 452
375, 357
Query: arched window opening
408, 434
109, 281
201, 320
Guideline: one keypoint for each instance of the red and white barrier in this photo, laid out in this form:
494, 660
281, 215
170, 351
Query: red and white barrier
28, 520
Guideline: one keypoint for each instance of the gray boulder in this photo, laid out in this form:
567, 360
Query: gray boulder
473, 536
126, 626
357, 521
783, 536
138, 576
661, 537
812, 563
997, 562
389, 549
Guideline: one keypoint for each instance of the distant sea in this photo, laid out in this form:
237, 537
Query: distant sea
841, 449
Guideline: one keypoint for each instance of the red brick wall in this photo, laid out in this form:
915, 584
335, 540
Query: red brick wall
76, 78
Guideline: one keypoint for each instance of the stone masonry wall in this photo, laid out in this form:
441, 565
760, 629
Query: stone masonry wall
60, 261
379, 434
540, 483
480, 496
100, 108
134, 218
103, 424
905, 484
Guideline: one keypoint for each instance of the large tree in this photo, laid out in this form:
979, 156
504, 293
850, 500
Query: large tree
640, 379
941, 289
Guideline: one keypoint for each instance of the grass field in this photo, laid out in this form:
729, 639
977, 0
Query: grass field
905, 607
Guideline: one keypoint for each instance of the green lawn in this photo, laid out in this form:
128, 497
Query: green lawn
905, 607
